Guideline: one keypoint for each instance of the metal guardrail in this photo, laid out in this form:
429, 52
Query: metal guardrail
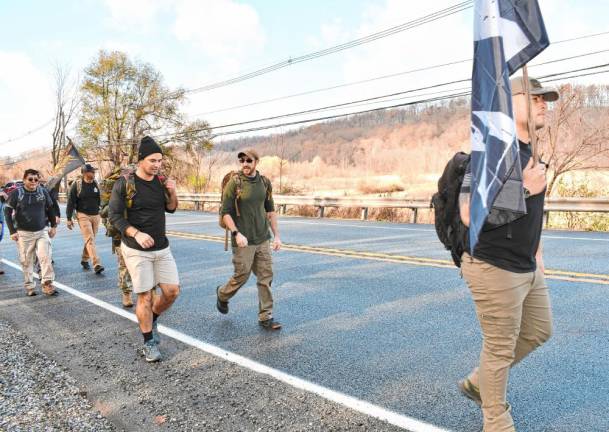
600, 205
282, 201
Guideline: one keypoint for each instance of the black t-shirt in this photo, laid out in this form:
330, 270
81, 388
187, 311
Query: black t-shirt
513, 246
147, 212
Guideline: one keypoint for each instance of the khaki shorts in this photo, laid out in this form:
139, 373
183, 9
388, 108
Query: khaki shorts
149, 268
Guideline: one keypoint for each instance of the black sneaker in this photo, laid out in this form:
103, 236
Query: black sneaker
85, 265
98, 269
220, 305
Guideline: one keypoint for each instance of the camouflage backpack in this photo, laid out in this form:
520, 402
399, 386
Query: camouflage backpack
239, 188
79, 181
106, 192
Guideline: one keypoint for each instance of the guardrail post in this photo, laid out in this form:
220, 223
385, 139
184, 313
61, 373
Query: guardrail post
321, 211
282, 209
364, 213
413, 219
546, 218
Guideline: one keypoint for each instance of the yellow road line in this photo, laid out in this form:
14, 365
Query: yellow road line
602, 279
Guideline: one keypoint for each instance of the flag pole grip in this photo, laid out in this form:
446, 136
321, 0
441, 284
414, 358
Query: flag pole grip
530, 120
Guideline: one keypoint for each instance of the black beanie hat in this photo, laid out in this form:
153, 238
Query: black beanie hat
147, 147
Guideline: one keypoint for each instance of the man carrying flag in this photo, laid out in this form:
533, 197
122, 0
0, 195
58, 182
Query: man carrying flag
502, 203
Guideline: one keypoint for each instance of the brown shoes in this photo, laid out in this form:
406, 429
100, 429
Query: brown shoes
127, 302
47, 288
30, 292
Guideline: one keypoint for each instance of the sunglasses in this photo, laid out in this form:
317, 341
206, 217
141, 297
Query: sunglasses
32, 179
248, 160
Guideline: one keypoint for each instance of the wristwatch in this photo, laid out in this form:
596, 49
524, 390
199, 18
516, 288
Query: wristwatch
527, 193
234, 233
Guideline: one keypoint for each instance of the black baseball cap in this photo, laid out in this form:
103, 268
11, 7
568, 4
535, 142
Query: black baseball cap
87, 168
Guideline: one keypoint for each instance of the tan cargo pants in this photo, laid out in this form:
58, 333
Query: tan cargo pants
256, 259
515, 318
89, 224
31, 244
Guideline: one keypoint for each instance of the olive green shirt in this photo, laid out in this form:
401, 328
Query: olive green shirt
254, 203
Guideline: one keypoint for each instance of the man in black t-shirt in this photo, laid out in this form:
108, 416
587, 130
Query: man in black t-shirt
137, 209
84, 197
506, 275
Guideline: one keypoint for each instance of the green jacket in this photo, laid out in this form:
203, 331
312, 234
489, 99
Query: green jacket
255, 201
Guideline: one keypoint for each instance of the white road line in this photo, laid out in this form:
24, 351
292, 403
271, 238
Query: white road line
396, 419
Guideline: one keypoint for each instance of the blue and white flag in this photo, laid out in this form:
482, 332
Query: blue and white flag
507, 35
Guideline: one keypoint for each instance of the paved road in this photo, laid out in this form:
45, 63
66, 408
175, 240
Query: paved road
396, 334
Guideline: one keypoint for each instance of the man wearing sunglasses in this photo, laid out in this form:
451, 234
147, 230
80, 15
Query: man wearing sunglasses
248, 211
32, 208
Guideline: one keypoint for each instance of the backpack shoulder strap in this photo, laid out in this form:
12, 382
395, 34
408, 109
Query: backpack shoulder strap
130, 190
78, 187
267, 186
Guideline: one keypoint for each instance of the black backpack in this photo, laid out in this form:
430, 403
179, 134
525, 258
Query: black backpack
445, 203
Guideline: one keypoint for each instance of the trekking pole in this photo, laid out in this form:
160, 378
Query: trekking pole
226, 239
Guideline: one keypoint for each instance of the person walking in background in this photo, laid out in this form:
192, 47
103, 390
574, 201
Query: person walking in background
84, 197
32, 208
248, 211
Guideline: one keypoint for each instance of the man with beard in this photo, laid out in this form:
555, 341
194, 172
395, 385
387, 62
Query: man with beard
248, 211
506, 275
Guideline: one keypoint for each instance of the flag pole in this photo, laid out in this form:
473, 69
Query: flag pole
530, 120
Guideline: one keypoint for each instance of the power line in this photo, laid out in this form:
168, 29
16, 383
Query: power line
416, 102
434, 16
377, 79
30, 132
447, 97
367, 100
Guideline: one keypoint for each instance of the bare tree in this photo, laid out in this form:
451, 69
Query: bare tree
286, 153
66, 104
196, 139
577, 135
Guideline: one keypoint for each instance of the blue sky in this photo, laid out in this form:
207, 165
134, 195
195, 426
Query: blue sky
194, 43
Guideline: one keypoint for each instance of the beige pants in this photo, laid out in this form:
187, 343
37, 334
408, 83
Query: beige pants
515, 318
150, 268
257, 259
88, 227
31, 244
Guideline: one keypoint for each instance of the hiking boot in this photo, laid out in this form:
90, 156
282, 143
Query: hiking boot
127, 301
151, 351
30, 292
98, 269
470, 391
155, 333
47, 288
270, 324
85, 265
222, 306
